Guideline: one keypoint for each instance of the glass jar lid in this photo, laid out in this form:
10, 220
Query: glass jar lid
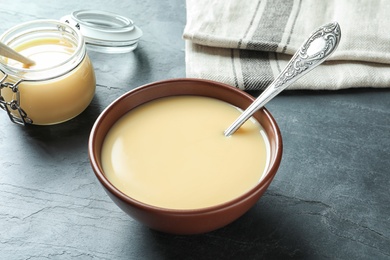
104, 31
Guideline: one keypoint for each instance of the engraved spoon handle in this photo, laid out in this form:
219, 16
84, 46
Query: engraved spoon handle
316, 49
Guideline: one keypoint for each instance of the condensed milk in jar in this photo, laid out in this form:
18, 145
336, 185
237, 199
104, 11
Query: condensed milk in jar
59, 86
62, 83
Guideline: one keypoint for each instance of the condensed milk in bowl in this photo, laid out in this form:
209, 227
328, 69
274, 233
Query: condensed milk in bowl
160, 153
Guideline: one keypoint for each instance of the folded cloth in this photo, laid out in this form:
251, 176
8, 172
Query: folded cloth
246, 43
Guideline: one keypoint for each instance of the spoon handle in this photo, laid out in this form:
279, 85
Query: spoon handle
8, 52
317, 48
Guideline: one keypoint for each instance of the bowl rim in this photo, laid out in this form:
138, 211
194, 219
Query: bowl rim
270, 173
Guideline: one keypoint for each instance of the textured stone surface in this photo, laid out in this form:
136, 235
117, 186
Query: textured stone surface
330, 198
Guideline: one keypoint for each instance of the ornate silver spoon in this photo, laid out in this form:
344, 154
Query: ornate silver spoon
316, 49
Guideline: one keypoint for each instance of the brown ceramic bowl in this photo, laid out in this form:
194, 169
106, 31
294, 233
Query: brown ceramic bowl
183, 221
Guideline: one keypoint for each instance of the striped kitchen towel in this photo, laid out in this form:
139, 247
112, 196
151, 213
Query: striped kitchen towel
246, 43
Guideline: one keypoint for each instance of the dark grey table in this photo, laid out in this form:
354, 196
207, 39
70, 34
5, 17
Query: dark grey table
329, 199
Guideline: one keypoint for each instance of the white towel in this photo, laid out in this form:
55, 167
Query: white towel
246, 43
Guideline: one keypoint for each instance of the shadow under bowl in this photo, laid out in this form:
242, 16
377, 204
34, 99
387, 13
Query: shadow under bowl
192, 221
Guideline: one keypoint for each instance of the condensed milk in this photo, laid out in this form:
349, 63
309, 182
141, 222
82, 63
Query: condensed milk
59, 86
172, 153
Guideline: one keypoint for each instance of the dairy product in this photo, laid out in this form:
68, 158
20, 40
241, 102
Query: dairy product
172, 153
56, 98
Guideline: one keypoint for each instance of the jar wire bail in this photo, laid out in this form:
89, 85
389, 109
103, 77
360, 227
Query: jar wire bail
14, 104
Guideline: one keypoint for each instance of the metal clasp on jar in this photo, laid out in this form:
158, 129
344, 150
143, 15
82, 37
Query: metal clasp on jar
21, 117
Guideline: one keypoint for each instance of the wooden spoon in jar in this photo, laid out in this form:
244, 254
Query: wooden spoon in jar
316, 49
8, 52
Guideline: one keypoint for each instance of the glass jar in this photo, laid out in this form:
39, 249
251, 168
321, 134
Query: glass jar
58, 90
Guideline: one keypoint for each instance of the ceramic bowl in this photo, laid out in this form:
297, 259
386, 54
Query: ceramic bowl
172, 220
